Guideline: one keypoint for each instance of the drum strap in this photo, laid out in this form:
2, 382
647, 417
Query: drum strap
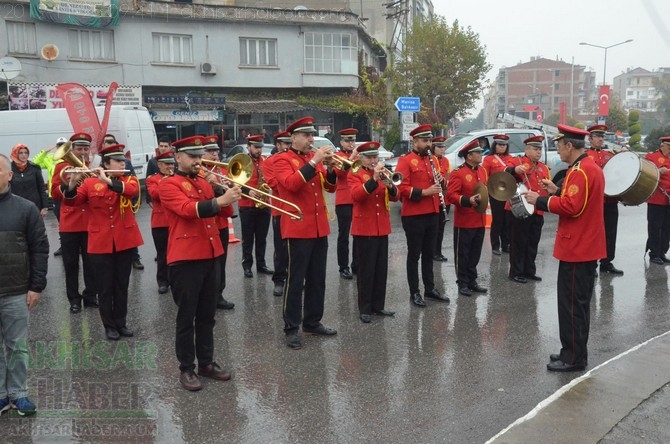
665, 193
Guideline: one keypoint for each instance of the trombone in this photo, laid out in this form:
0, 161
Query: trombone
240, 170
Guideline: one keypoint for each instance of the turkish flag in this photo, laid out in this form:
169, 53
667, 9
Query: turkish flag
604, 101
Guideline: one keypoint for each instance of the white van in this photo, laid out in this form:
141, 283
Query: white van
38, 129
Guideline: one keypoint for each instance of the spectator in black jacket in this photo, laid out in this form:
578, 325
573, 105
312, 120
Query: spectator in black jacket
23, 276
27, 180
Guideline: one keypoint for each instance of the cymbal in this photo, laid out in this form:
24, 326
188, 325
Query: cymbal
502, 186
483, 192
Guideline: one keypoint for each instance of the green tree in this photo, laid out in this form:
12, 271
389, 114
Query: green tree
652, 142
441, 60
634, 130
617, 119
552, 120
663, 87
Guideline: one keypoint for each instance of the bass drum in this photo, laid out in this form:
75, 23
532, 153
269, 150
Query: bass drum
630, 178
521, 209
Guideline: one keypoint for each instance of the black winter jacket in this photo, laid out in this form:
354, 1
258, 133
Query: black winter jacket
24, 247
29, 184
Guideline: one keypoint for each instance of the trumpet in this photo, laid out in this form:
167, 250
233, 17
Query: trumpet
395, 178
86, 171
240, 169
341, 163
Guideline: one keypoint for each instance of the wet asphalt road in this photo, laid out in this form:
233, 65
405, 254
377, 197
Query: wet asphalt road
448, 373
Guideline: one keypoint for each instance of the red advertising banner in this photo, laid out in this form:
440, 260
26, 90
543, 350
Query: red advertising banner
562, 113
604, 101
111, 93
79, 105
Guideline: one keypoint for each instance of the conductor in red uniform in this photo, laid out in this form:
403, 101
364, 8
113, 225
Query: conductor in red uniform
580, 242
302, 179
468, 223
601, 156
113, 233
419, 192
194, 251
658, 206
371, 193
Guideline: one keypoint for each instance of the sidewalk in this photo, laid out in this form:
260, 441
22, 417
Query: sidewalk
625, 399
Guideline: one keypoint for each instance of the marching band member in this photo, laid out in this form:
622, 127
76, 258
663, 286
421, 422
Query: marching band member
525, 233
580, 242
113, 233
468, 223
442, 164
159, 223
371, 225
344, 204
419, 212
73, 228
255, 220
497, 161
282, 144
658, 207
301, 179
211, 148
194, 251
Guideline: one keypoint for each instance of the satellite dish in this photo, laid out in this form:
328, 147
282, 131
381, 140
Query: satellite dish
300, 8
9, 68
49, 52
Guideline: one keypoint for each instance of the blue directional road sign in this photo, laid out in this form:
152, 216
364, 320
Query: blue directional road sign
409, 104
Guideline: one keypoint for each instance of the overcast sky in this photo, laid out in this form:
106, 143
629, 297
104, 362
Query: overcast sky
515, 30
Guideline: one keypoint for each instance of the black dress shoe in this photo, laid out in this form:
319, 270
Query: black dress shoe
383, 312
224, 305
533, 277
162, 289
366, 318
609, 268
477, 289
75, 308
496, 252
657, 260
417, 300
345, 273
665, 260
112, 333
137, 264
505, 250
213, 371
125, 332
557, 357
518, 279
465, 291
58, 252
92, 304
320, 330
248, 273
279, 289
560, 366
440, 258
190, 381
294, 341
264, 270
434, 294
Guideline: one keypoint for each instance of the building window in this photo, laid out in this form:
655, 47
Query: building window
327, 52
258, 52
21, 38
173, 48
91, 45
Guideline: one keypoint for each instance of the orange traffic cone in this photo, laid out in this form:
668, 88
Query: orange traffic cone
489, 216
231, 232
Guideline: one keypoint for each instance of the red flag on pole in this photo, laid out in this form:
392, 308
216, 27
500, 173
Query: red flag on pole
81, 111
111, 92
604, 101
562, 113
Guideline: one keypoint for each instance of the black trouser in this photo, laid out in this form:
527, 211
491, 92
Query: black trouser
306, 266
611, 222
113, 277
160, 236
280, 256
72, 245
224, 235
575, 289
195, 290
658, 230
467, 251
524, 238
420, 232
442, 220
57, 210
343, 213
499, 226
255, 226
371, 253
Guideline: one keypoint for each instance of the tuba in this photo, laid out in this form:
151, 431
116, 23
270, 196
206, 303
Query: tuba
64, 153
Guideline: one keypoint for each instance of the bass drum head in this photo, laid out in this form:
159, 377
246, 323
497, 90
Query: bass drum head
621, 173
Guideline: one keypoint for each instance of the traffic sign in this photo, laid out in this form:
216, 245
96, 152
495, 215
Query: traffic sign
411, 104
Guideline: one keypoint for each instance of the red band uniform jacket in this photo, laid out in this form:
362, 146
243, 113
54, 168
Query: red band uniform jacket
73, 218
158, 216
303, 185
226, 212
660, 160
111, 221
417, 175
189, 204
370, 214
258, 165
532, 179
496, 163
461, 187
271, 179
601, 157
342, 190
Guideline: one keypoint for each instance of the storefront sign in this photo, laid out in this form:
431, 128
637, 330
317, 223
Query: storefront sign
186, 100
182, 115
46, 96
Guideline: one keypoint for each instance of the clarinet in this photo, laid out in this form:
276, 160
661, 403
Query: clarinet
436, 178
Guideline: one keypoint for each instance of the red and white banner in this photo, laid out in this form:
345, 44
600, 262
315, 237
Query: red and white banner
604, 101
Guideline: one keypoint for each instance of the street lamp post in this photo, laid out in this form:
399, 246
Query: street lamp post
435, 104
605, 48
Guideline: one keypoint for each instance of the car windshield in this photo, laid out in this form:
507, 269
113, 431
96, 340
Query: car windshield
456, 142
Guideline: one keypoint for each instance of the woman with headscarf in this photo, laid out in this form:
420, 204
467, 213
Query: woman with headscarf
27, 180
